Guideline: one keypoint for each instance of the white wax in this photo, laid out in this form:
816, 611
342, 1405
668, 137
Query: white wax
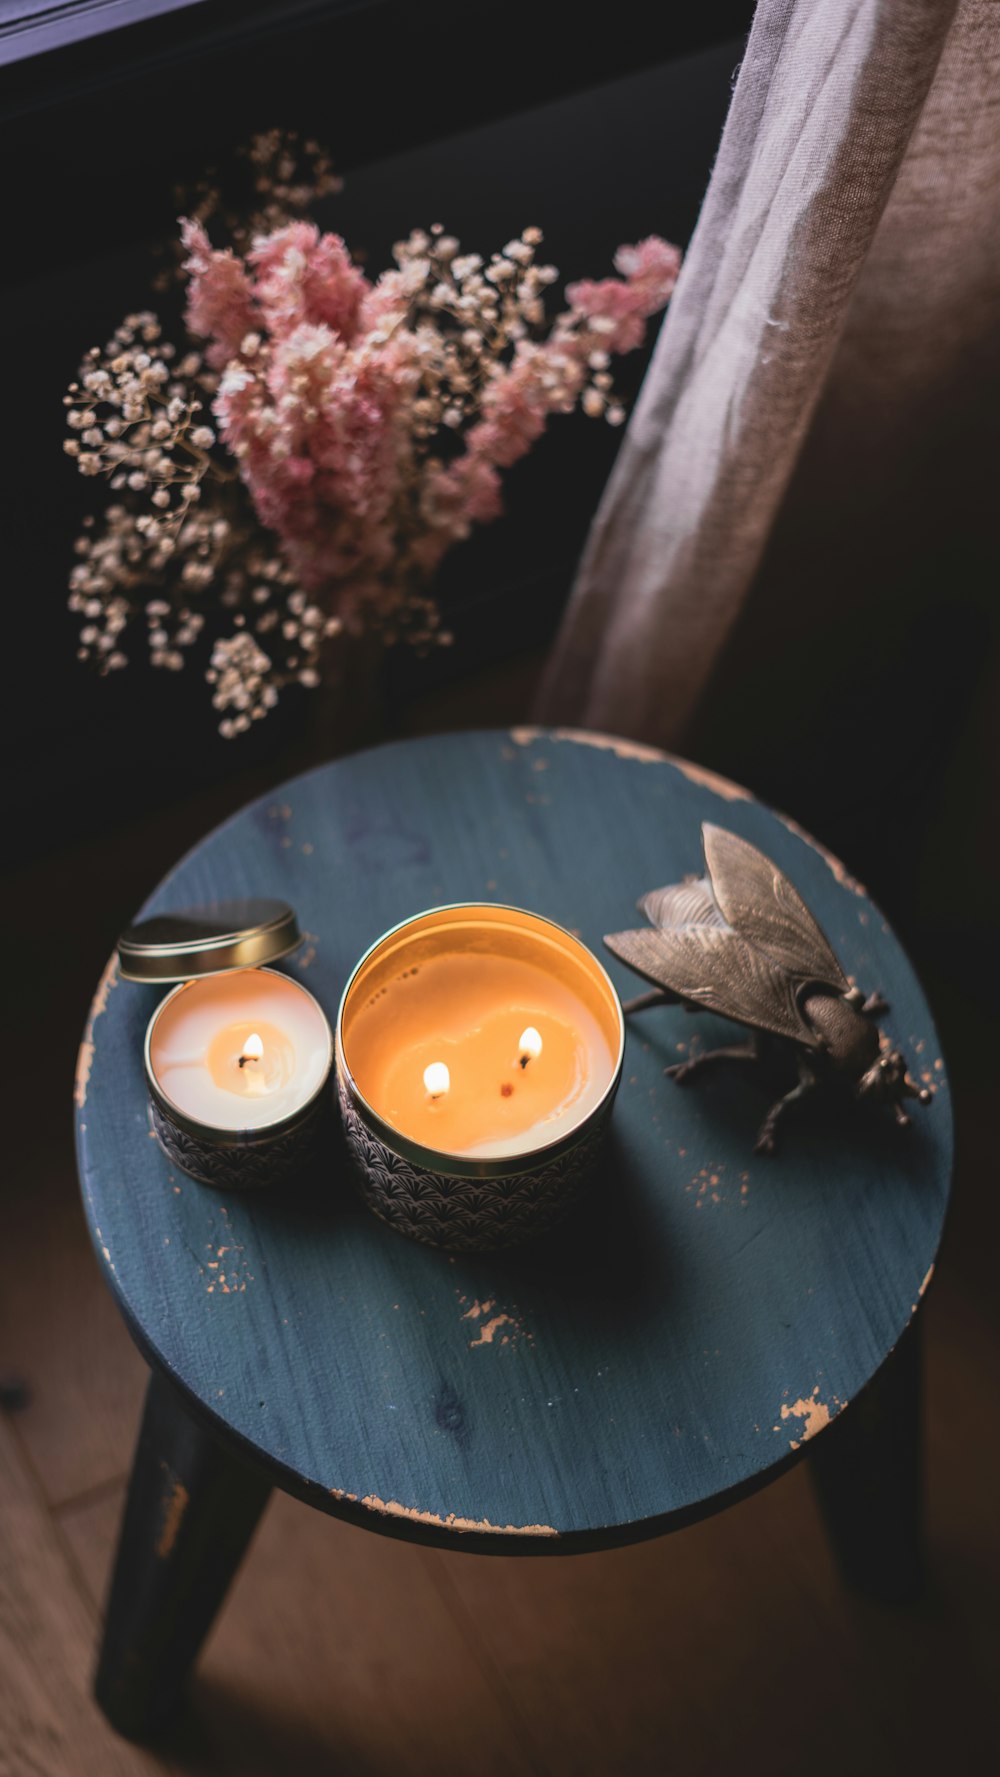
199, 1037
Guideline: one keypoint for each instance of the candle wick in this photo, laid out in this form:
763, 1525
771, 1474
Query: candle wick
437, 1080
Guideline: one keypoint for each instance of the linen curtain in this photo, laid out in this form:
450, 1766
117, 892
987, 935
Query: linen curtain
839, 291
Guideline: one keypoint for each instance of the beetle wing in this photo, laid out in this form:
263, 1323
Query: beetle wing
690, 902
759, 902
710, 966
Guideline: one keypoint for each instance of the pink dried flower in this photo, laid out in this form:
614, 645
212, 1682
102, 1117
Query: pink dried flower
313, 431
367, 426
220, 304
304, 277
651, 266
617, 310
452, 500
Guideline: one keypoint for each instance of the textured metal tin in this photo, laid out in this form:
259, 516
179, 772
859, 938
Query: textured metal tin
453, 1200
467, 1212
242, 1160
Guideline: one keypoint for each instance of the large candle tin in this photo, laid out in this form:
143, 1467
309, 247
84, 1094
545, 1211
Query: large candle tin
515, 1181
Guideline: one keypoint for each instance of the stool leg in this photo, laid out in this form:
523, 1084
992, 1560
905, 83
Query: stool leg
190, 1513
868, 1471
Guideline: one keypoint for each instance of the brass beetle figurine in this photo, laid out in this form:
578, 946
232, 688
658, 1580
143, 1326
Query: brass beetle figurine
740, 941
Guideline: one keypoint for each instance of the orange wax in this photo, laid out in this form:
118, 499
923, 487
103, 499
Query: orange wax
464, 997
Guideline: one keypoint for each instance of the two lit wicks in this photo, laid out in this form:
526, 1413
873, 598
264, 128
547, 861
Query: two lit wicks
437, 1079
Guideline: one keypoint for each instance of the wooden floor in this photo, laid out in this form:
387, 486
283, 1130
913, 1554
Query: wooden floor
729, 1646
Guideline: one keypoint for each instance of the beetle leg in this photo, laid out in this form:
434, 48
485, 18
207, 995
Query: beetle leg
656, 997
874, 1005
683, 1070
910, 1090
807, 1082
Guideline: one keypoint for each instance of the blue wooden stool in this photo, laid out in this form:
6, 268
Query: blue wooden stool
684, 1336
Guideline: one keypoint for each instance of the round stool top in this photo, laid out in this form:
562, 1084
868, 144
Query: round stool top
702, 1313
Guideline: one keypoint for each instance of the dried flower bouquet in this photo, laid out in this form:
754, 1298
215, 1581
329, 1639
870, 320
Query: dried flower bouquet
300, 472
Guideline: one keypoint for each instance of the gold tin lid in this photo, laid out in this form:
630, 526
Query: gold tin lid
208, 940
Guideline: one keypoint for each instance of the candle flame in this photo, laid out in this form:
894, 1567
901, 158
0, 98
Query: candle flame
253, 1048
530, 1046
437, 1079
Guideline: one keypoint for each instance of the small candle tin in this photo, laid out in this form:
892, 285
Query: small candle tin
186, 948
453, 1200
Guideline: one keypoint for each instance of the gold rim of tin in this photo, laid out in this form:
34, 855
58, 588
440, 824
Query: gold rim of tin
187, 958
466, 1165
207, 1132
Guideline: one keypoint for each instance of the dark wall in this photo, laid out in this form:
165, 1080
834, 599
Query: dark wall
596, 142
